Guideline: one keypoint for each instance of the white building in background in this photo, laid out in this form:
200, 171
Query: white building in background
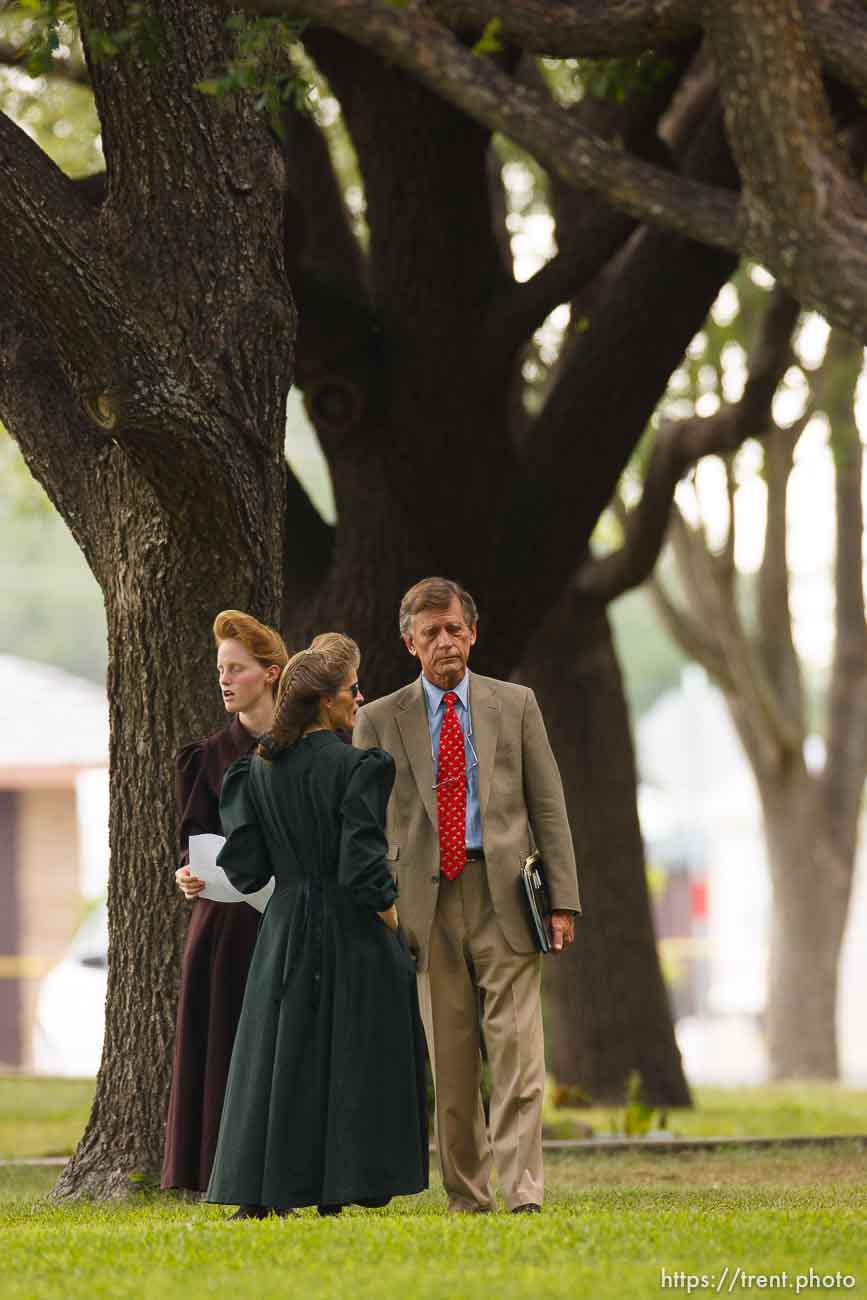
698, 790
53, 832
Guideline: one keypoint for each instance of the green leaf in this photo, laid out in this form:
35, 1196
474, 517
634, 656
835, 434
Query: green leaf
489, 42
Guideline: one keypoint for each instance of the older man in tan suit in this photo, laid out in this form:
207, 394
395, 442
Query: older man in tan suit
477, 785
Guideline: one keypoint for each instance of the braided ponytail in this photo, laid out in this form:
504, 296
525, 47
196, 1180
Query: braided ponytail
308, 675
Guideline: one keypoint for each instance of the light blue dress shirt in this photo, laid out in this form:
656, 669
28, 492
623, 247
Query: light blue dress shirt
436, 711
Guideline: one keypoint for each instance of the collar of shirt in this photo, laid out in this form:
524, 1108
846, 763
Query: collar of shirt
434, 694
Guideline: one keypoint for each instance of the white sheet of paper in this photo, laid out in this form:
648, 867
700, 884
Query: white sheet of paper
203, 864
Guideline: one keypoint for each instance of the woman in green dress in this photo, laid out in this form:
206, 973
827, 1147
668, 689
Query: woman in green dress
325, 1102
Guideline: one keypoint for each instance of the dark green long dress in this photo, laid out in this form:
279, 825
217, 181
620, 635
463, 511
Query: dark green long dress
325, 1102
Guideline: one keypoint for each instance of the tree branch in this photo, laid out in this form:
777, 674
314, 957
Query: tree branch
608, 28
767, 731
526, 305
48, 245
59, 277
585, 28
680, 444
775, 641
416, 42
588, 231
688, 632
803, 212
818, 253
769, 723
840, 32
41, 414
846, 762
155, 367
596, 412
613, 28
726, 566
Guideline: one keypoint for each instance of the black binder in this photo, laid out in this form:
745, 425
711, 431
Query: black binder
535, 892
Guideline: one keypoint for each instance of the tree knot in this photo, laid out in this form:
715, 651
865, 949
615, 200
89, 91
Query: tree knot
101, 408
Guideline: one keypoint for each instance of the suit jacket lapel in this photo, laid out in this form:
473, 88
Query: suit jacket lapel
414, 731
485, 712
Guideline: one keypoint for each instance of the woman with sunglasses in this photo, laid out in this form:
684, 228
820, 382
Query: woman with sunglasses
325, 1103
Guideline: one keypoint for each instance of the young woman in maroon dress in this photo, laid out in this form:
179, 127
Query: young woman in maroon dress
221, 936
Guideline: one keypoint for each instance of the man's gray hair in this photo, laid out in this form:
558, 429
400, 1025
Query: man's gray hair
435, 593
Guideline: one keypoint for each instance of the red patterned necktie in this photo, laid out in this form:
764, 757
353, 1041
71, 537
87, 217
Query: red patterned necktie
452, 792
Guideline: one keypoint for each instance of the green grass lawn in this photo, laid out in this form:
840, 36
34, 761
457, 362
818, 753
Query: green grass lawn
611, 1224
776, 1110
47, 1116
42, 1117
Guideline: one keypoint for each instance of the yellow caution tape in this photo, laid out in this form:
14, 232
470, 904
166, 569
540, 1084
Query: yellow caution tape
21, 967
684, 945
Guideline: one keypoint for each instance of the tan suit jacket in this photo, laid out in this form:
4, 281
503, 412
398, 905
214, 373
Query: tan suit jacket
520, 797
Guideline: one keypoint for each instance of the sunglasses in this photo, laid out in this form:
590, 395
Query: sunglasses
354, 690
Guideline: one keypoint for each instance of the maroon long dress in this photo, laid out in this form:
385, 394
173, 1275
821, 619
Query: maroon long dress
216, 959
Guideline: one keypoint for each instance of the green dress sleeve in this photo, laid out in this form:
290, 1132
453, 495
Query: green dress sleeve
244, 856
363, 868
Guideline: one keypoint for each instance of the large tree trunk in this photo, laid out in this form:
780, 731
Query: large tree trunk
811, 892
162, 582
146, 355
609, 1004
159, 607
811, 820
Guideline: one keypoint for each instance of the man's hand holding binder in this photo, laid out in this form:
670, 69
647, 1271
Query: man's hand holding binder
553, 931
562, 927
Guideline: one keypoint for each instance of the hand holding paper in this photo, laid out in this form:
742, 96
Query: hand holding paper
203, 864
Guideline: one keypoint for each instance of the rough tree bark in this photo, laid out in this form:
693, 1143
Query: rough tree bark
146, 353
769, 55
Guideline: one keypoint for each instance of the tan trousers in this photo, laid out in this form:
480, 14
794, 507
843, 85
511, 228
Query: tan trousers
468, 953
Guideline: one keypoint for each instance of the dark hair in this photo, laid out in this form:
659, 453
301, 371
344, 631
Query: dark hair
308, 675
265, 645
435, 593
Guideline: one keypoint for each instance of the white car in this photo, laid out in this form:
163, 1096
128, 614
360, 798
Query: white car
70, 1007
